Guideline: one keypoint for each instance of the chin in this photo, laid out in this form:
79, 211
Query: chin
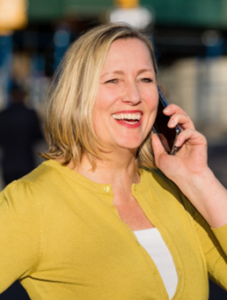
130, 145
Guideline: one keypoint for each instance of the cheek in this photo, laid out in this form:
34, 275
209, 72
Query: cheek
99, 106
154, 100
98, 118
152, 104
101, 102
152, 108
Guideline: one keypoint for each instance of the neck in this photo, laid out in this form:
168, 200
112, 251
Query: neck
117, 171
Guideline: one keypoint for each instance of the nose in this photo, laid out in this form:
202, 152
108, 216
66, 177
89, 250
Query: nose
131, 93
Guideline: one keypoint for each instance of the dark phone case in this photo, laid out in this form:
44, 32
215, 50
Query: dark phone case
160, 125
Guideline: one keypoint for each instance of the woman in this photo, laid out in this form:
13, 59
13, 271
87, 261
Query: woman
74, 228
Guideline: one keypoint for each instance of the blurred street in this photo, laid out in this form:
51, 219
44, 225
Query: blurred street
40, 147
217, 159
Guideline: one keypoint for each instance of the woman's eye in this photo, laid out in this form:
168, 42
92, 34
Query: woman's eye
146, 80
112, 81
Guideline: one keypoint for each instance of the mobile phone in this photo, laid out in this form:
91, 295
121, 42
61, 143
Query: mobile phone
166, 135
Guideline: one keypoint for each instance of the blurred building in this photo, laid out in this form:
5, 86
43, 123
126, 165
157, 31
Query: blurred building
190, 40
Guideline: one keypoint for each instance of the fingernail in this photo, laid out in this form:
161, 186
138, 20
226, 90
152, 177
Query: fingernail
177, 143
166, 109
171, 123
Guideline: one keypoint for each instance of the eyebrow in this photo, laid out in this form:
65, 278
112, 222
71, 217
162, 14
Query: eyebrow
114, 72
122, 72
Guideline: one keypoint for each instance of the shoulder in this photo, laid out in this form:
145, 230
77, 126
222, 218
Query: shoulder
158, 180
19, 201
34, 193
51, 180
33, 183
166, 189
41, 174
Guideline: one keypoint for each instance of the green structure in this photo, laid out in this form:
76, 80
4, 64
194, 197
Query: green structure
199, 13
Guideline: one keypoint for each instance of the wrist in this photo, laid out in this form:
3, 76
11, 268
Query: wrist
208, 196
196, 182
201, 181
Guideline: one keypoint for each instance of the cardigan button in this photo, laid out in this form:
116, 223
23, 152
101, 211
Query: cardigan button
107, 189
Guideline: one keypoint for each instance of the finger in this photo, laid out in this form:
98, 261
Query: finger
173, 109
183, 120
178, 116
164, 142
192, 136
157, 147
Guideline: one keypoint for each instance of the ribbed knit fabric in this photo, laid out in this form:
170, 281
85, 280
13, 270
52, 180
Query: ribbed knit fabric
61, 235
155, 246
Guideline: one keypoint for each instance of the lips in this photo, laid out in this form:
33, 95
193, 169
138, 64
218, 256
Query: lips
131, 119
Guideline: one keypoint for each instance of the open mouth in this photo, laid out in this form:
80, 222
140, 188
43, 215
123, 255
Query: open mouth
129, 118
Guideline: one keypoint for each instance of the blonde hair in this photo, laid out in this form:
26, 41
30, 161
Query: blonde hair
69, 128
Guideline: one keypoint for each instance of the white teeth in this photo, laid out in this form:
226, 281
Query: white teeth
121, 116
131, 122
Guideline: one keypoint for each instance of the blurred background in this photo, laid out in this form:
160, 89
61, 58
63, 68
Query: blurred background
190, 42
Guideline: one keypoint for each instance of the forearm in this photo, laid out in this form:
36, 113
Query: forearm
207, 195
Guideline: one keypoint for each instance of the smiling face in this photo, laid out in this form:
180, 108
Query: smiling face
127, 99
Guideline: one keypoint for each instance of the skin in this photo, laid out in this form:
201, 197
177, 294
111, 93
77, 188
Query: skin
190, 171
128, 83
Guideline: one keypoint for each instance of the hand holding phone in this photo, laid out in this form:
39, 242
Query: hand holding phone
166, 135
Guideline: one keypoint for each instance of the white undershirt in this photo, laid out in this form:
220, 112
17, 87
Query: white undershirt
154, 244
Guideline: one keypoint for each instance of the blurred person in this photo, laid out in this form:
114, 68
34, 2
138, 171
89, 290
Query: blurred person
19, 130
98, 220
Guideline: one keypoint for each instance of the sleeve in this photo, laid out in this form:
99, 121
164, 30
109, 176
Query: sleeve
20, 232
214, 245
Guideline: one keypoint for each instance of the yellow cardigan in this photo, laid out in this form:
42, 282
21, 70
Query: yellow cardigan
61, 235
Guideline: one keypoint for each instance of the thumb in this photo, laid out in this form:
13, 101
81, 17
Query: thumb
157, 147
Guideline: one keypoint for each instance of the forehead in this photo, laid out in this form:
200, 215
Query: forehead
128, 51
129, 40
